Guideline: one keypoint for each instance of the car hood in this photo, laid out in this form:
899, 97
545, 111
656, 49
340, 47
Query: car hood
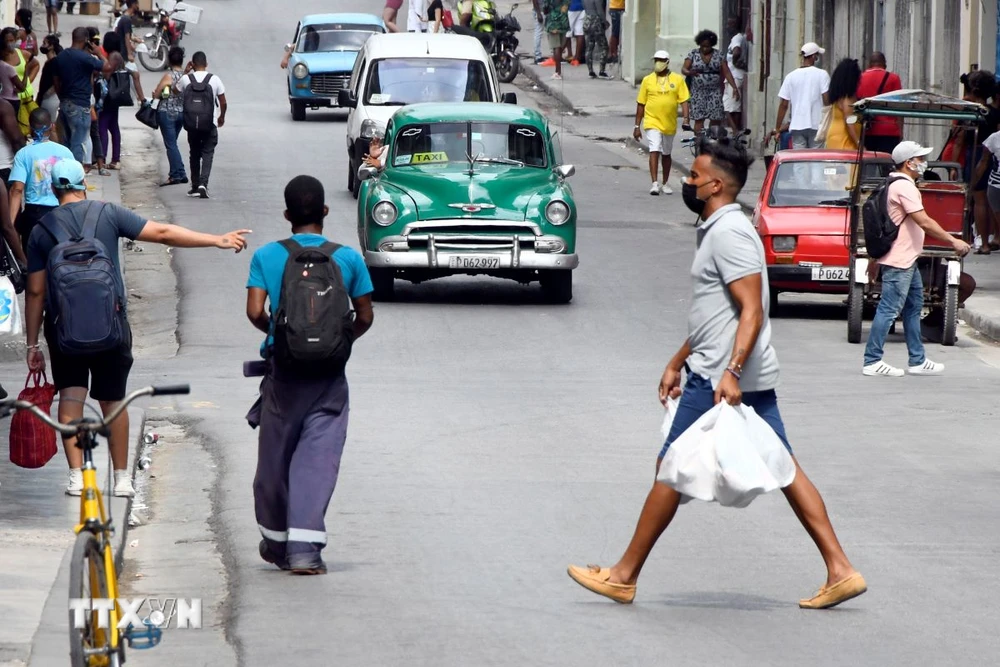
326, 61
510, 189
817, 221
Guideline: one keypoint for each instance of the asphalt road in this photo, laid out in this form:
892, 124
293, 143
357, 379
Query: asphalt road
495, 439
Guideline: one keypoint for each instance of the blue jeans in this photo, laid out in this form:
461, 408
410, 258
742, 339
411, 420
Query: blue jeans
616, 22
539, 34
699, 397
171, 124
77, 121
902, 291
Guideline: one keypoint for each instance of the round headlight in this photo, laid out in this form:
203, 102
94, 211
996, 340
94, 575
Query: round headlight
384, 213
300, 71
557, 212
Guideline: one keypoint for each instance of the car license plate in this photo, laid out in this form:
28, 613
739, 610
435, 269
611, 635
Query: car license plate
474, 262
832, 273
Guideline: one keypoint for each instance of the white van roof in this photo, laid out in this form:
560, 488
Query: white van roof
427, 45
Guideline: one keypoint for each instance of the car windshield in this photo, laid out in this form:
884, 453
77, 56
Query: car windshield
810, 184
333, 37
490, 143
402, 81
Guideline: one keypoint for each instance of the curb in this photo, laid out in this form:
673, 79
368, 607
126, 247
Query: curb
984, 324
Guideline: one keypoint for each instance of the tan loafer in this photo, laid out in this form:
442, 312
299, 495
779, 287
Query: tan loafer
595, 578
842, 591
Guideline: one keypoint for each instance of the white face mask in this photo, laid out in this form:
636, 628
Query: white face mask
919, 167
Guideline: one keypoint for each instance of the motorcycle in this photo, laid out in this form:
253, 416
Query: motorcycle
152, 53
498, 35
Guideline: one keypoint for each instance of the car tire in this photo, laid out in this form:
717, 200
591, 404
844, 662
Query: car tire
557, 286
298, 110
773, 308
855, 311
948, 330
352, 176
383, 283
356, 184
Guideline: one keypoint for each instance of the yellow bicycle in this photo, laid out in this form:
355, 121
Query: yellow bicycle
93, 577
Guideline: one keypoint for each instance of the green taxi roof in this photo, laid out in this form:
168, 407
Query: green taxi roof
463, 112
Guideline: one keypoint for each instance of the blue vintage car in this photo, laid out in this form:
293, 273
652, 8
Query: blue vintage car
321, 57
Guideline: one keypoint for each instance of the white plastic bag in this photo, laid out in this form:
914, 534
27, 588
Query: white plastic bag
10, 309
668, 418
730, 456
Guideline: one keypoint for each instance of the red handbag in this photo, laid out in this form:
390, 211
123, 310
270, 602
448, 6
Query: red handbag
446, 20
33, 443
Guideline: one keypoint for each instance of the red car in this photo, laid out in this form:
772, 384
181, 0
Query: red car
803, 218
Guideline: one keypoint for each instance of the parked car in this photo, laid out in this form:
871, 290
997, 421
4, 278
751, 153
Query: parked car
473, 188
803, 218
400, 69
323, 54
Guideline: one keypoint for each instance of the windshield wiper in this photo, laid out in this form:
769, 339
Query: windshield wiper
835, 202
393, 103
502, 160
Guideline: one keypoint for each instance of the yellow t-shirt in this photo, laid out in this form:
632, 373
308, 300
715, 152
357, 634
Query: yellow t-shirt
661, 96
616, 4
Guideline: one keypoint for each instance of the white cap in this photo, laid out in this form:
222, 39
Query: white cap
661, 55
811, 49
907, 150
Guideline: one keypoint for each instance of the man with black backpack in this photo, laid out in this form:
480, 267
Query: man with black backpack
895, 224
75, 286
201, 91
312, 298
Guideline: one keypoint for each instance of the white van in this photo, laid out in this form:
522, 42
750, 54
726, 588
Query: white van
396, 69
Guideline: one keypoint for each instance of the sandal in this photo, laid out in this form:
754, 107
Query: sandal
985, 250
115, 166
103, 172
173, 181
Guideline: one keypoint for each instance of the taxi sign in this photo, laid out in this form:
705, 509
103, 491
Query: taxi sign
424, 158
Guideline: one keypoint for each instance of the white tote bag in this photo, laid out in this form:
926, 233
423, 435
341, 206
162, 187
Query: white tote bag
730, 456
10, 309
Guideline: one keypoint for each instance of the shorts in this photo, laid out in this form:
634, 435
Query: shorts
393, 4
104, 373
729, 103
658, 142
993, 197
556, 39
576, 24
699, 397
616, 22
53, 4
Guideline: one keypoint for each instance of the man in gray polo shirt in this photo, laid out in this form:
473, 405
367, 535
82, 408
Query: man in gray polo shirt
729, 358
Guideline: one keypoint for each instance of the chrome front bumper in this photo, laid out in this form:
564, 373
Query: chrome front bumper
528, 250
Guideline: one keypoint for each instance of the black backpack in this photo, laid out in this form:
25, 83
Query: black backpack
314, 326
85, 293
119, 89
199, 104
880, 230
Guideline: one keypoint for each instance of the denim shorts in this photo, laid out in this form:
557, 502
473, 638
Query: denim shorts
699, 397
616, 22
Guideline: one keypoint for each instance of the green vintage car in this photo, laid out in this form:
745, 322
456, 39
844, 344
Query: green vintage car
469, 188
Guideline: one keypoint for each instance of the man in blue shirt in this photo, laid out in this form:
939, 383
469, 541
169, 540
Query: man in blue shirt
74, 83
303, 421
31, 175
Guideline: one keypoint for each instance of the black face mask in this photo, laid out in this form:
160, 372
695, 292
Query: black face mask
45, 50
689, 192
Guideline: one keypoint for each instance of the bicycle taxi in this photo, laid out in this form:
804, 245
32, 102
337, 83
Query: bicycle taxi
947, 198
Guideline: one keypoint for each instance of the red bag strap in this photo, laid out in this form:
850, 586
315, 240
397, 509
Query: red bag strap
39, 377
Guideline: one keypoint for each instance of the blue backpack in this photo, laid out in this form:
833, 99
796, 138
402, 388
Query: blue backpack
85, 296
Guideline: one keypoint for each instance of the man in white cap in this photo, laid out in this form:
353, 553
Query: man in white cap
660, 93
902, 286
806, 90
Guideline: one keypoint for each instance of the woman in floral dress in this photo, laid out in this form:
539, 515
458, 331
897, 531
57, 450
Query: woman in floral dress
707, 68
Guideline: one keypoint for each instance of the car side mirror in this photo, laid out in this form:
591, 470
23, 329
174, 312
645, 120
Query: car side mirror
508, 98
345, 98
565, 170
365, 172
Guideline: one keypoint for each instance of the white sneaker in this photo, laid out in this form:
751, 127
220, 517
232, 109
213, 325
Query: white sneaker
666, 189
75, 486
927, 368
882, 368
123, 484
654, 189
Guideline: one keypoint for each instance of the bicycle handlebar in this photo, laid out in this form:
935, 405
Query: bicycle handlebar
12, 405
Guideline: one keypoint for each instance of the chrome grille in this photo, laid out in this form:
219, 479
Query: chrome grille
329, 84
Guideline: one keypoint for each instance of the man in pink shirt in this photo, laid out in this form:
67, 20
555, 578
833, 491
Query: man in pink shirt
902, 285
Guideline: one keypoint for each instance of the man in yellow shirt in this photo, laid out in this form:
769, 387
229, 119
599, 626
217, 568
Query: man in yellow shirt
615, 9
656, 112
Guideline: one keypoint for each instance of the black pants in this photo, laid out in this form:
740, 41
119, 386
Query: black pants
27, 219
881, 144
203, 143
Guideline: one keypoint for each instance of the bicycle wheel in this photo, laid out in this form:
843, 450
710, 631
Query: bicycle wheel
87, 580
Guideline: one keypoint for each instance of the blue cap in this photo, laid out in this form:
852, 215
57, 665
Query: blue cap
68, 174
